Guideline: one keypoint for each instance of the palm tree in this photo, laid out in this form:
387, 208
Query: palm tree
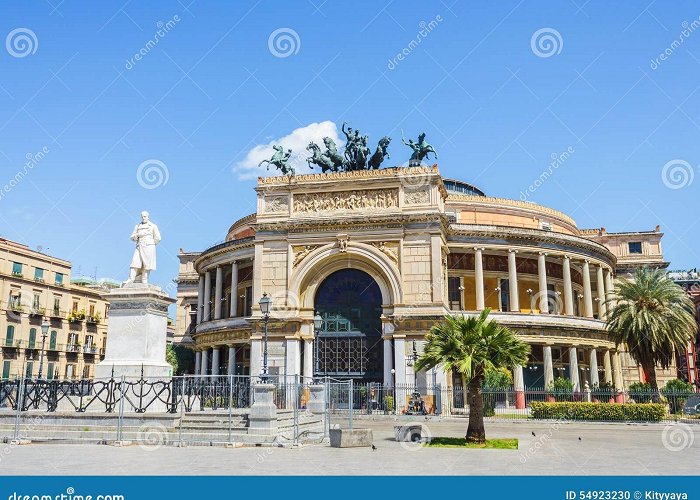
472, 345
654, 317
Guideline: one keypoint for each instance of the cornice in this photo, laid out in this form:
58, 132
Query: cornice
505, 202
356, 222
535, 235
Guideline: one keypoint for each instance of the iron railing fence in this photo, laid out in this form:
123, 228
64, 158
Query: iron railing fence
343, 398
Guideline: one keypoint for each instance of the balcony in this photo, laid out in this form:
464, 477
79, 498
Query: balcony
93, 320
73, 348
15, 307
56, 314
11, 343
17, 274
37, 311
89, 349
76, 316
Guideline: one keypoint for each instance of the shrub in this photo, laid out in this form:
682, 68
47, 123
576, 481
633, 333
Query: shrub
676, 392
389, 403
648, 412
640, 392
561, 388
496, 381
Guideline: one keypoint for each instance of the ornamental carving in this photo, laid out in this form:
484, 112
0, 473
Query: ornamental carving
300, 253
388, 249
276, 204
416, 197
375, 199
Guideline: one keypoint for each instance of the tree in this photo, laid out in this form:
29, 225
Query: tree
472, 346
654, 317
171, 357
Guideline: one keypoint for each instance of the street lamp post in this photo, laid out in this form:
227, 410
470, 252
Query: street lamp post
265, 306
44, 331
318, 324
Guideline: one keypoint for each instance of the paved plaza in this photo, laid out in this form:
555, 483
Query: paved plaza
603, 449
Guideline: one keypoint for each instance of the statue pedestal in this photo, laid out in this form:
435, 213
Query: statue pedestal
136, 333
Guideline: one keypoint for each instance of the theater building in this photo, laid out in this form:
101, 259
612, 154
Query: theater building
381, 255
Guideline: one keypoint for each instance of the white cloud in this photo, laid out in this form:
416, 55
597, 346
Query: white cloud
297, 142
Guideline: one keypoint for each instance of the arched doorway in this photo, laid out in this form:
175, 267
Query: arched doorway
349, 345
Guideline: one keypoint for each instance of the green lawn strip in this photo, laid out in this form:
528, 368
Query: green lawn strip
496, 444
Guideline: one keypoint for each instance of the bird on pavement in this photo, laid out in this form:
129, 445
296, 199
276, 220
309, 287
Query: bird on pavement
374, 448
533, 433
579, 438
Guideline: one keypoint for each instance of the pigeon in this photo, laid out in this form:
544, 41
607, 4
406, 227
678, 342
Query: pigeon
579, 438
374, 448
533, 433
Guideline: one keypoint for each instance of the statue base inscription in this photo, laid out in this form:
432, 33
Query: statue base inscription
136, 333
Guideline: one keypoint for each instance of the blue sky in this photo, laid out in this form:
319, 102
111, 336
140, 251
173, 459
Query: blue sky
495, 104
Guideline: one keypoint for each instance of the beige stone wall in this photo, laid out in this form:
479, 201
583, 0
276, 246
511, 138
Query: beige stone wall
416, 272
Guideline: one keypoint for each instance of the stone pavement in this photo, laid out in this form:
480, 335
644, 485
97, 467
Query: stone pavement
555, 449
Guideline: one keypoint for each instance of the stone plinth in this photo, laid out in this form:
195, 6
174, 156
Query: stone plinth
136, 333
317, 399
262, 419
351, 438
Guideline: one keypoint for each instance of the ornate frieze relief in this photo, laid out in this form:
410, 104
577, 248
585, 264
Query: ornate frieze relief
374, 199
276, 204
301, 252
417, 196
388, 249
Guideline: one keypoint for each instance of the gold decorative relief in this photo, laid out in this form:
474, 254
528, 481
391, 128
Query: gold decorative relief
375, 199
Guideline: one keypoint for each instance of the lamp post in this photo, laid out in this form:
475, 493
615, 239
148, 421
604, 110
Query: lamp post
265, 306
44, 331
393, 383
318, 325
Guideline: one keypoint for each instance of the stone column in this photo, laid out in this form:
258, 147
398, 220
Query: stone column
548, 366
200, 299
218, 288
197, 362
568, 289
587, 297
388, 362
207, 296
542, 276
255, 356
602, 308
513, 281
594, 368
231, 360
519, 386
205, 362
215, 362
609, 288
400, 372
617, 378
608, 369
292, 359
479, 274
234, 289
573, 369
308, 359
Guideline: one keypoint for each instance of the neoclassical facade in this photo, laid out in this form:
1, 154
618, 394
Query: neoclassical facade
381, 255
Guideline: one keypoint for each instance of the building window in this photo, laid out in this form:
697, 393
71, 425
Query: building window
49, 371
10, 337
454, 293
52, 340
106, 311
86, 372
56, 306
70, 371
16, 269
39, 274
72, 342
504, 295
15, 300
75, 306
30, 369
36, 301
634, 247
32, 338
6, 366
59, 279
92, 310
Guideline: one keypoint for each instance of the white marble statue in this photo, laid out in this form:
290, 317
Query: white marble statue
146, 236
